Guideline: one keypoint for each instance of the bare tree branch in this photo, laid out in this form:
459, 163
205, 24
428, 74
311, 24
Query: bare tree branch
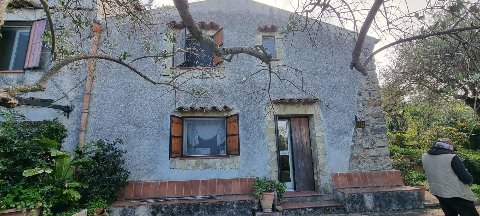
419, 37
196, 32
7, 95
50, 25
361, 37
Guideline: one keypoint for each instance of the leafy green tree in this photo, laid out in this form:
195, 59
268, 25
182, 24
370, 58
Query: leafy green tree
442, 67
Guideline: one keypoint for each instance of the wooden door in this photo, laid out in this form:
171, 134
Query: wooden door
302, 154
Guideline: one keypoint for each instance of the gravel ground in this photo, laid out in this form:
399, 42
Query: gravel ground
421, 212
431, 204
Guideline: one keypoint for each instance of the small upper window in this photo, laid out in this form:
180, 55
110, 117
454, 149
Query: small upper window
190, 53
269, 43
20, 45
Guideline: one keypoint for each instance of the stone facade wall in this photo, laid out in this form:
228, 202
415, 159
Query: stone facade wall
370, 150
232, 162
126, 107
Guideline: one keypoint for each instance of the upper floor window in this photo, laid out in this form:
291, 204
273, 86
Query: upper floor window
204, 136
269, 43
190, 53
269, 37
20, 45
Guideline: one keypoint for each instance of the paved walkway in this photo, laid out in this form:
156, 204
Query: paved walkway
432, 208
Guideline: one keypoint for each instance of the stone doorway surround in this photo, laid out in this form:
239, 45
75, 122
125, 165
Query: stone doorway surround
319, 153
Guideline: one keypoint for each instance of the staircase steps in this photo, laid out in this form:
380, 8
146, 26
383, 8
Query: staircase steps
304, 196
309, 203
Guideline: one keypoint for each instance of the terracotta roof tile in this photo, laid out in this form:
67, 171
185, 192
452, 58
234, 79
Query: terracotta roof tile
20, 4
204, 109
295, 101
203, 25
265, 28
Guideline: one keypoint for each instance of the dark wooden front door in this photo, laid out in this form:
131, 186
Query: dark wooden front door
302, 154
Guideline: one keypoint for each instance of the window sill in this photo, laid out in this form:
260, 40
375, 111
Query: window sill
12, 71
203, 157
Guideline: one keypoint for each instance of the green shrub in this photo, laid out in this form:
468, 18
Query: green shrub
261, 185
407, 158
432, 135
409, 161
397, 138
34, 172
476, 190
106, 175
413, 178
473, 166
472, 163
21, 196
21, 146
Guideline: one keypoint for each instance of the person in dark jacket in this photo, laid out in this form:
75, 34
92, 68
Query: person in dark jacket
448, 179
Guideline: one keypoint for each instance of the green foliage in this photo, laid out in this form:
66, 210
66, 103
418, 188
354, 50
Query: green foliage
96, 204
106, 175
124, 56
472, 163
261, 185
439, 67
25, 145
397, 138
409, 161
476, 190
20, 196
36, 173
412, 177
432, 135
426, 123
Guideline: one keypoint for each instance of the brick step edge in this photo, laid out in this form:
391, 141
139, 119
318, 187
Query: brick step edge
290, 194
311, 205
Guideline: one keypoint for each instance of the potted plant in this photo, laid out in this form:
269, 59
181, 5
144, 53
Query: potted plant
265, 189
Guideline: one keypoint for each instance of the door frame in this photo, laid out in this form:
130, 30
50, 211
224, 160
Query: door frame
309, 117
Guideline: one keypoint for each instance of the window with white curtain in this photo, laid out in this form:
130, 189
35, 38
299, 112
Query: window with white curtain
204, 136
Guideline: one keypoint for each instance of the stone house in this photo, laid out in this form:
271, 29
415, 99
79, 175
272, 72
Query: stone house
312, 123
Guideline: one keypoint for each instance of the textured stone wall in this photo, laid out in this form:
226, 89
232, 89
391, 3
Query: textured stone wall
127, 107
65, 88
370, 146
232, 162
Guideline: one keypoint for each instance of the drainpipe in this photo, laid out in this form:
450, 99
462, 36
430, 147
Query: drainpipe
87, 94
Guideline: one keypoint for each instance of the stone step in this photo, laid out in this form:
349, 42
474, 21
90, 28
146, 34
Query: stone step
312, 208
235, 205
304, 196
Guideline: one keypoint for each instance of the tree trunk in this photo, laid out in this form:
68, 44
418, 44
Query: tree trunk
474, 104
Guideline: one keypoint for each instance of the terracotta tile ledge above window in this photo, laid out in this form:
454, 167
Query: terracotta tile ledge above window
266, 28
295, 101
204, 109
193, 68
